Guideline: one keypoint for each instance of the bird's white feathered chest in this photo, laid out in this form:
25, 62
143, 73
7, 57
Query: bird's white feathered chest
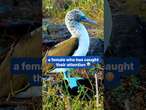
84, 41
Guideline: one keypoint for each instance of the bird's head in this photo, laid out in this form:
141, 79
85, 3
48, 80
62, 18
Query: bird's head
76, 15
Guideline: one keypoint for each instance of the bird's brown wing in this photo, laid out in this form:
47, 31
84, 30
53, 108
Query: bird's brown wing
30, 46
65, 48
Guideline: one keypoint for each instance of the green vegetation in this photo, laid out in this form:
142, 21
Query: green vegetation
57, 98
136, 7
58, 8
129, 95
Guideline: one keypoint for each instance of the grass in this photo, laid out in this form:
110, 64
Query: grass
57, 97
130, 90
136, 7
66, 102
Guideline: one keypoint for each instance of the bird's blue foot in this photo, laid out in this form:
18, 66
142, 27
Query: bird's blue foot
72, 81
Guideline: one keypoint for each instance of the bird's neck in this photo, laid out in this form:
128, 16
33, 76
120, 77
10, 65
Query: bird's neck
78, 30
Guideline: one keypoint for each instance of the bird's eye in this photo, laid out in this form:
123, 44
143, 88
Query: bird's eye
80, 18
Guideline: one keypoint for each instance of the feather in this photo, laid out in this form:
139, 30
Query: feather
65, 48
30, 46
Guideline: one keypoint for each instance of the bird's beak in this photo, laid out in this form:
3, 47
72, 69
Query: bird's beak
88, 20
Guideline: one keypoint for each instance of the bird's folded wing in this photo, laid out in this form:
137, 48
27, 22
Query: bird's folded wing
65, 48
30, 46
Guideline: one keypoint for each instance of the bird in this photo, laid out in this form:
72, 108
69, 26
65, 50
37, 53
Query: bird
28, 46
77, 45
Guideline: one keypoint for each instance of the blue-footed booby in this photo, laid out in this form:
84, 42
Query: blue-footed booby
76, 45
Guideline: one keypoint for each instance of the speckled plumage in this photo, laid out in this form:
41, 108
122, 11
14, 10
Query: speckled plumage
73, 23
